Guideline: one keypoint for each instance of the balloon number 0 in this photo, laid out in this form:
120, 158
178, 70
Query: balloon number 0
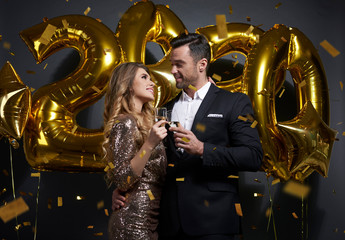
293, 149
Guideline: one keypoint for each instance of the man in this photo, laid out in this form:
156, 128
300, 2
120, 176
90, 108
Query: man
206, 151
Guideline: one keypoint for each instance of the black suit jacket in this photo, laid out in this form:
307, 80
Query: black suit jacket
198, 196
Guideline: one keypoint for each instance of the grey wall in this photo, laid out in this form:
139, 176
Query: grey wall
323, 210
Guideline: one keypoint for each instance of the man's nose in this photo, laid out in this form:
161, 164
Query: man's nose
173, 69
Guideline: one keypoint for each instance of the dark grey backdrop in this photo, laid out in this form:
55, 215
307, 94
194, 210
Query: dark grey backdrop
324, 211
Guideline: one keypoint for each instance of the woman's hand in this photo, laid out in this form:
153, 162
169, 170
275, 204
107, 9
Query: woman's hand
157, 133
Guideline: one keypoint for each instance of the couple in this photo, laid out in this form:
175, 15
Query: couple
189, 192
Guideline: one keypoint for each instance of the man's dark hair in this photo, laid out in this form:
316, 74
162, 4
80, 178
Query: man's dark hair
198, 45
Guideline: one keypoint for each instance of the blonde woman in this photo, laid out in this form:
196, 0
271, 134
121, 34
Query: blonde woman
132, 142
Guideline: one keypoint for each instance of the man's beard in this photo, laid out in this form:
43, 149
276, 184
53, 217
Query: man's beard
186, 81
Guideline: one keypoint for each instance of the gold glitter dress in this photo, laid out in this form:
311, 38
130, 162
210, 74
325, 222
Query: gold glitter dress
138, 219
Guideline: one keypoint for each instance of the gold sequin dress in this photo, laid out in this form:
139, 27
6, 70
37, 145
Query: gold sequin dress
138, 219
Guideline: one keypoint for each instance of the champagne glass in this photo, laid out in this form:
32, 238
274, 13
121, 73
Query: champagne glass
160, 113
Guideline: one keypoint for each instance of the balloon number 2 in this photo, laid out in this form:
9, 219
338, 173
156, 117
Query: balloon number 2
293, 149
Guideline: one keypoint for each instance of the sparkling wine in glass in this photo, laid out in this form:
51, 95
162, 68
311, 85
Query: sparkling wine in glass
160, 114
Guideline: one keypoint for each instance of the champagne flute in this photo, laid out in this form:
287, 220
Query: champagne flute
160, 113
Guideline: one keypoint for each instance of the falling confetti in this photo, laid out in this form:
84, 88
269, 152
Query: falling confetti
200, 127
60, 203
171, 165
233, 176
222, 29
258, 195
179, 179
47, 34
275, 181
329, 48
238, 209
96, 89
142, 154
341, 85
65, 23
37, 174
192, 87
278, 5
248, 19
281, 93
150, 194
254, 124
296, 189
206, 203
13, 209
86, 12
185, 139
106, 212
242, 118
230, 9
294, 215
100, 204
249, 30
216, 77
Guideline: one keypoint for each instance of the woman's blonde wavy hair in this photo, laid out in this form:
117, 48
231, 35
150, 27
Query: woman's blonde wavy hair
119, 101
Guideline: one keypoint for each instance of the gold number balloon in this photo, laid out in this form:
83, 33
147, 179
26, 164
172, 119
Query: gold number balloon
156, 24
289, 144
15, 103
239, 40
53, 140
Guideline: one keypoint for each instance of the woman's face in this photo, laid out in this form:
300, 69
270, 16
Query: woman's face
143, 87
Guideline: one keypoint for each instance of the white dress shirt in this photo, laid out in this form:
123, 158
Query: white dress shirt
186, 107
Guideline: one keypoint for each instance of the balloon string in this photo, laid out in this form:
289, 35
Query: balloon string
271, 212
37, 197
13, 188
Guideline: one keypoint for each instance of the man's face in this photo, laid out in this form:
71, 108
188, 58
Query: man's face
183, 67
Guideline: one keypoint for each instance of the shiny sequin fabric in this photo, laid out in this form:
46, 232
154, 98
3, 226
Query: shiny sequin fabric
139, 218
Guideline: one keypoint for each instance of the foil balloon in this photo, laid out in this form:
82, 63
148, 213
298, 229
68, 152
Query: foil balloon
15, 103
241, 38
53, 140
151, 23
281, 49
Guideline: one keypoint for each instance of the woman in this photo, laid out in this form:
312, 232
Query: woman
132, 143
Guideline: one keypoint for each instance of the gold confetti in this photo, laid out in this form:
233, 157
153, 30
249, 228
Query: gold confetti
258, 195
257, 38
3, 191
0, 37
45, 19
171, 165
278, 5
306, 168
47, 34
30, 72
106, 169
128, 179
82, 161
275, 181
185, 139
230, 9
294, 215
111, 165
74, 129
234, 64
329, 48
179, 179
257, 180
90, 227
96, 89
206, 203
186, 31
50, 201
249, 30
222, 29
233, 176
100, 204
37, 174
238, 209
23, 193
254, 124
268, 212
343, 133
98, 234
99, 20
45, 66
150, 194
26, 224
302, 84
248, 19
32, 89
250, 117
339, 123
60, 203
341, 85
192, 87
214, 148
200, 127
6, 45
283, 39
86, 12
296, 189
281, 93
276, 26
106, 212
216, 77
12, 53
17, 227
142, 154
242, 118
65, 23
253, 227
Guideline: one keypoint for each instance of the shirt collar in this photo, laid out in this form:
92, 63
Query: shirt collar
200, 94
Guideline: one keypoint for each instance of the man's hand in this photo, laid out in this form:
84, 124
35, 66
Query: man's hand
187, 140
118, 200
